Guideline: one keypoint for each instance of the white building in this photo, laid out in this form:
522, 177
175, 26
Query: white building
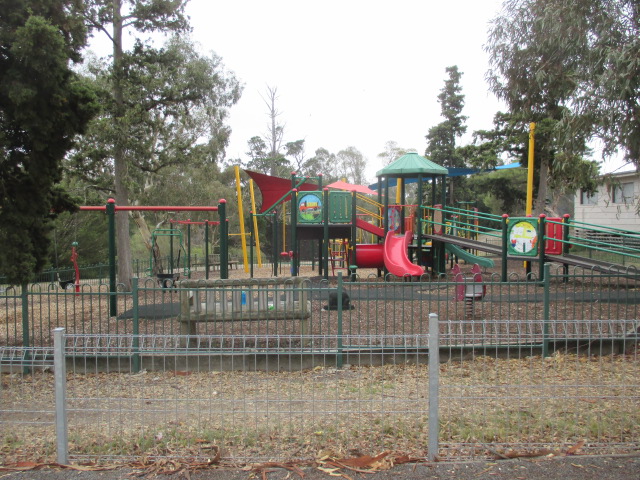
615, 204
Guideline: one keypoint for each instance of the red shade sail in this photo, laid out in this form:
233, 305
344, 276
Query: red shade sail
273, 188
340, 185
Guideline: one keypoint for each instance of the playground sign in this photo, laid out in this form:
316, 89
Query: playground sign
523, 236
310, 208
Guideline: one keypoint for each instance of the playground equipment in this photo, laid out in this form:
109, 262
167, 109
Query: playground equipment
111, 209
167, 279
332, 217
395, 256
470, 289
75, 283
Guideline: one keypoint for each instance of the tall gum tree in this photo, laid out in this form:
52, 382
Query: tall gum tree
111, 18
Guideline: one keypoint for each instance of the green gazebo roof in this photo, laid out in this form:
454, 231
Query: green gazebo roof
411, 165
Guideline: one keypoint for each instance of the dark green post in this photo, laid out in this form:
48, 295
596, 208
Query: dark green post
24, 297
325, 234
419, 222
206, 249
294, 227
505, 245
339, 359
171, 253
320, 181
111, 216
353, 260
566, 236
542, 230
385, 213
403, 203
189, 249
135, 346
224, 240
274, 242
566, 220
545, 311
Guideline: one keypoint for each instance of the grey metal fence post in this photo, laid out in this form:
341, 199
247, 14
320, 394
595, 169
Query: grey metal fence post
434, 382
60, 374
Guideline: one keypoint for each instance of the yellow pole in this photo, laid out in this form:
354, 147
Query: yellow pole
255, 222
529, 206
245, 260
532, 134
399, 191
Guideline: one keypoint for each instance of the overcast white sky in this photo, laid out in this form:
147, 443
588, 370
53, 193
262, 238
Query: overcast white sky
351, 72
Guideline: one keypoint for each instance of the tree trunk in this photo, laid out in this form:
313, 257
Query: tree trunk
125, 267
541, 199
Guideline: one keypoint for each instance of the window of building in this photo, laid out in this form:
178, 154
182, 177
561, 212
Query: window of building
623, 193
586, 199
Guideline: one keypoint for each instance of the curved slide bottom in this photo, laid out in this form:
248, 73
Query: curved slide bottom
395, 252
469, 257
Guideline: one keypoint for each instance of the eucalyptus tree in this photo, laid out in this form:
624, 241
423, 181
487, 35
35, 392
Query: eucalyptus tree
43, 106
351, 164
571, 67
163, 106
392, 152
141, 18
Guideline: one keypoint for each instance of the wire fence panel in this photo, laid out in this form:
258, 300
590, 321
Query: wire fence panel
248, 404
507, 400
27, 412
369, 306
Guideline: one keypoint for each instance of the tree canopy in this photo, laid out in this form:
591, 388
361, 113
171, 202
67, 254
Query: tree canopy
575, 62
164, 107
43, 106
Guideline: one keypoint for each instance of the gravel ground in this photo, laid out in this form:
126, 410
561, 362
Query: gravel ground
565, 468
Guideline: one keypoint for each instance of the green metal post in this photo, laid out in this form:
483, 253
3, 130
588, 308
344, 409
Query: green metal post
353, 260
546, 305
339, 359
111, 216
135, 346
419, 221
542, 230
224, 240
171, 253
325, 234
24, 297
402, 202
505, 244
206, 249
189, 250
566, 235
294, 226
566, 221
274, 242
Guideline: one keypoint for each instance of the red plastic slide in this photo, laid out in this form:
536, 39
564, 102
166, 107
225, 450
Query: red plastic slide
395, 255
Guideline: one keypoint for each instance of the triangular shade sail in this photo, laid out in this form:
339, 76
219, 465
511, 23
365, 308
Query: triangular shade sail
273, 188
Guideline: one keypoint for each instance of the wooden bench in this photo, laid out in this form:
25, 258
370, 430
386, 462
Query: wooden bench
244, 300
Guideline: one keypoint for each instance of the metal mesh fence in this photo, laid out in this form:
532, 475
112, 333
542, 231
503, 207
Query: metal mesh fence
274, 402
504, 400
27, 411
